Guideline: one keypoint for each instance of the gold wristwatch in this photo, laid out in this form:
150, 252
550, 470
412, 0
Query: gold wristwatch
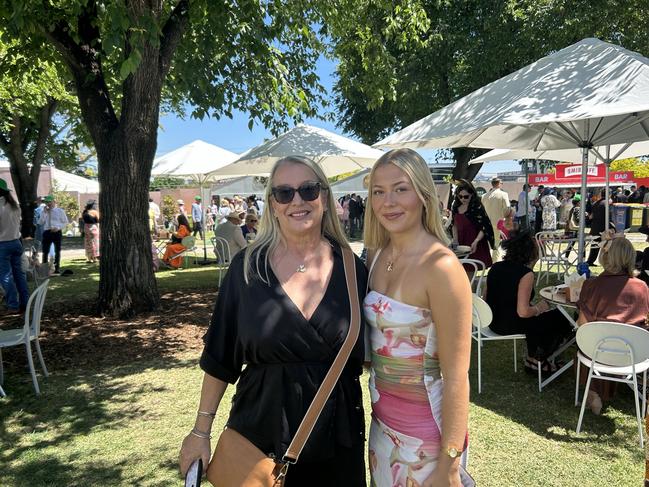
453, 452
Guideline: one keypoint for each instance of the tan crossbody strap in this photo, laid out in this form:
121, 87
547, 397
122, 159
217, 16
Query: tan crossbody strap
312, 414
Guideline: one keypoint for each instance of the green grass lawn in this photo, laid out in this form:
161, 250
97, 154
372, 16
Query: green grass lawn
120, 421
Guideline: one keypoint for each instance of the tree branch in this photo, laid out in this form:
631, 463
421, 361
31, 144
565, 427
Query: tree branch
43, 134
84, 61
172, 33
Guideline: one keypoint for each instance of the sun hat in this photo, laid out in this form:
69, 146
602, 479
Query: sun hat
235, 217
180, 202
3, 185
48, 199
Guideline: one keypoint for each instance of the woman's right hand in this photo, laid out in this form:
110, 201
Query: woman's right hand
192, 449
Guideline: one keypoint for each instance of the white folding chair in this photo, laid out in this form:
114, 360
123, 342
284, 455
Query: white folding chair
482, 317
223, 256
28, 333
476, 279
618, 352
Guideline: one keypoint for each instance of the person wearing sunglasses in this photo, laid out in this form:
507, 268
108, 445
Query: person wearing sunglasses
283, 310
470, 224
249, 230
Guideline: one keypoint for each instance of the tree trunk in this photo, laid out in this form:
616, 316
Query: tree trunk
127, 285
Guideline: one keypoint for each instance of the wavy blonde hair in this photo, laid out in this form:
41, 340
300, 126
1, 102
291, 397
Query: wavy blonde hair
618, 257
270, 237
410, 162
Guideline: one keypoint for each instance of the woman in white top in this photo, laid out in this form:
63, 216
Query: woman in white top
419, 313
12, 277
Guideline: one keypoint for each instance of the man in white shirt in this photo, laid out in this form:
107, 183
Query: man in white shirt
495, 202
54, 221
153, 206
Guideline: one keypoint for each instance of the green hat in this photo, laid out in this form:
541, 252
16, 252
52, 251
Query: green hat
48, 199
576, 197
3, 185
197, 198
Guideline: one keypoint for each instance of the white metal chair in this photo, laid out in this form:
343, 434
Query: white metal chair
482, 317
28, 333
550, 248
476, 279
223, 256
618, 352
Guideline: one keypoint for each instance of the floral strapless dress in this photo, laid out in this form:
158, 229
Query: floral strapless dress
406, 391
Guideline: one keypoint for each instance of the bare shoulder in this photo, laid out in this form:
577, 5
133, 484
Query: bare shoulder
440, 260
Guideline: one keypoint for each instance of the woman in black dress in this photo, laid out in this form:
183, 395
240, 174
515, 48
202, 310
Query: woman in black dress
283, 312
510, 290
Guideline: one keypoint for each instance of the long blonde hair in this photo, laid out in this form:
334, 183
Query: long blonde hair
269, 235
410, 162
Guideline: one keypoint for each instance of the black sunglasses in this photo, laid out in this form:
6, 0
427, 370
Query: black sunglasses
308, 191
464, 196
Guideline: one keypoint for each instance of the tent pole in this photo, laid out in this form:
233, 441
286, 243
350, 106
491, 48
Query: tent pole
527, 195
608, 186
584, 193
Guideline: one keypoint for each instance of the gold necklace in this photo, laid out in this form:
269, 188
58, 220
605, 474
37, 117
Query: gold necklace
301, 268
391, 262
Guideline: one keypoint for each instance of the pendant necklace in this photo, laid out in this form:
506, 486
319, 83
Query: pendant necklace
301, 268
391, 262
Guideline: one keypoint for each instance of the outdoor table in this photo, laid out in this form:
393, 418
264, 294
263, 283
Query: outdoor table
548, 293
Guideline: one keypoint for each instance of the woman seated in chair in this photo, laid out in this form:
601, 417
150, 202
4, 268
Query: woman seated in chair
615, 295
175, 246
510, 290
642, 258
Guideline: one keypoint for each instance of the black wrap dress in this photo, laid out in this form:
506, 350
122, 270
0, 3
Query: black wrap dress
259, 340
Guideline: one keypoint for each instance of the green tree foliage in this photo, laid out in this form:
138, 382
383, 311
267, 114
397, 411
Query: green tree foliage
639, 166
408, 58
128, 58
169, 208
35, 102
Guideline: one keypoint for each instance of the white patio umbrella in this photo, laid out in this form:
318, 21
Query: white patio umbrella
334, 153
195, 161
587, 95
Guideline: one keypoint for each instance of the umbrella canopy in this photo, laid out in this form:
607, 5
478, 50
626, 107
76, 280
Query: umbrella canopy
598, 154
587, 95
194, 160
592, 92
334, 153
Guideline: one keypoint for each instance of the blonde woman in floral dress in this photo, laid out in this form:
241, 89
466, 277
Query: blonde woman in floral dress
419, 312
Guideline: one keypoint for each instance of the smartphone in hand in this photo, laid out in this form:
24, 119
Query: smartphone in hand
194, 474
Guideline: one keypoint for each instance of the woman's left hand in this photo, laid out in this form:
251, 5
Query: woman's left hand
441, 478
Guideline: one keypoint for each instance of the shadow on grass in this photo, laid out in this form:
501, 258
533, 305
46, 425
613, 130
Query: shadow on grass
90, 360
73, 404
552, 413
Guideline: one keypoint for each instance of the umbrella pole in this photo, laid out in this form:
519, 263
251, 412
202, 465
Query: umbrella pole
584, 196
608, 186
527, 196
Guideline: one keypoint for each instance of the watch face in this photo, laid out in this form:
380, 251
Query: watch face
452, 452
